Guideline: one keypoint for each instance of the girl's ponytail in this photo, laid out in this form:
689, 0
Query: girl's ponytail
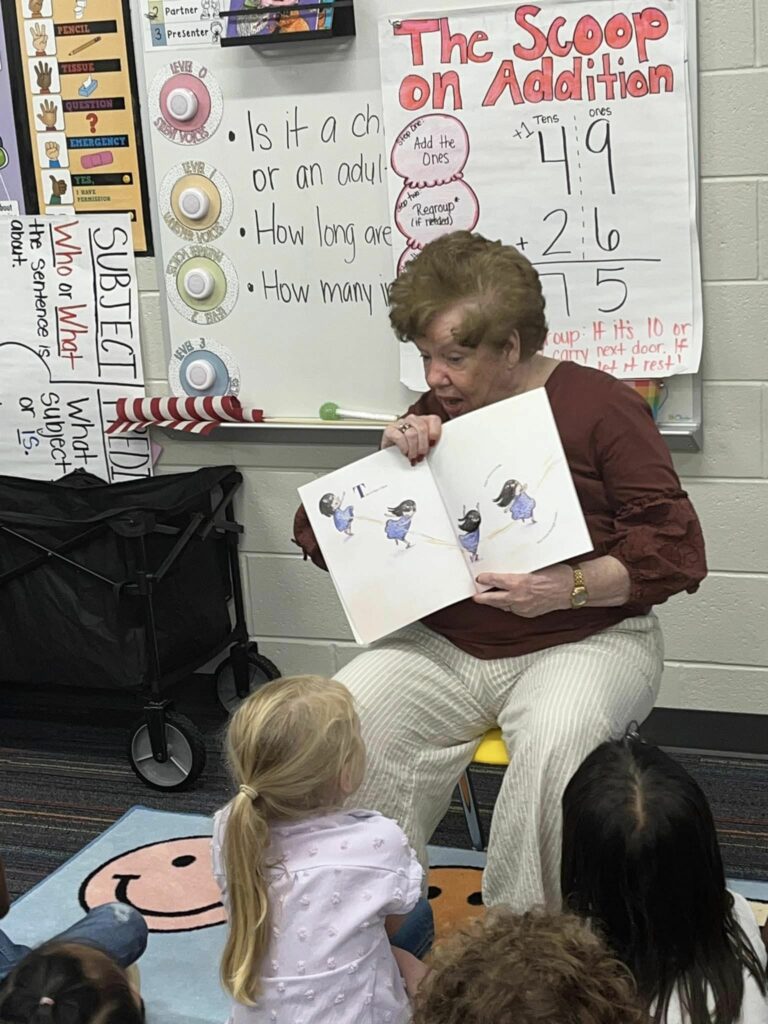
294, 750
245, 860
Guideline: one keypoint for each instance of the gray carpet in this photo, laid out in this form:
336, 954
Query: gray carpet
66, 778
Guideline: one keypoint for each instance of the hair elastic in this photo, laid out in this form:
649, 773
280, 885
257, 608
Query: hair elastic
249, 791
46, 1001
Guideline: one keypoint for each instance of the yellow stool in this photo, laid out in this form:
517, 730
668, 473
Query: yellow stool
491, 750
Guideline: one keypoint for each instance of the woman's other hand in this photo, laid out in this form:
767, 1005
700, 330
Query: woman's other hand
413, 435
528, 594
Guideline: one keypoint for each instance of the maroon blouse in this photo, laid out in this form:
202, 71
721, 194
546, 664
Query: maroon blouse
633, 504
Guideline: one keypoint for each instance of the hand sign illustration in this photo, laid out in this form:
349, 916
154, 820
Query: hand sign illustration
58, 189
36, 8
44, 74
39, 35
48, 115
52, 152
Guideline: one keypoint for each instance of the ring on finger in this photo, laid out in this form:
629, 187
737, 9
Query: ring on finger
403, 427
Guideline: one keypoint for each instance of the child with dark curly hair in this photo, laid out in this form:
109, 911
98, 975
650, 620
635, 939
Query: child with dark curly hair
526, 969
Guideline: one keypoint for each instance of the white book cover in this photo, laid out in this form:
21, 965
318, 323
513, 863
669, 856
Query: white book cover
494, 495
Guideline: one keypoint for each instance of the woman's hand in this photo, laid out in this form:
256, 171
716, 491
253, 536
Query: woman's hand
413, 435
528, 594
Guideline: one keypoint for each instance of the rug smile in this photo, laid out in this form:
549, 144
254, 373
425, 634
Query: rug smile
121, 895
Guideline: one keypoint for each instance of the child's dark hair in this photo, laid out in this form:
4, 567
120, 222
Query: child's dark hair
642, 862
470, 520
326, 504
66, 983
507, 493
409, 505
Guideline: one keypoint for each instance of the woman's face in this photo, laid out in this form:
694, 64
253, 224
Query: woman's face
464, 379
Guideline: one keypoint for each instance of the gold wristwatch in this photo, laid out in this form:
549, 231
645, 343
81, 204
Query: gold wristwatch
579, 594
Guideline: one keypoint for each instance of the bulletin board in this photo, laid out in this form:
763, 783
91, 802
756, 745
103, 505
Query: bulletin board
275, 224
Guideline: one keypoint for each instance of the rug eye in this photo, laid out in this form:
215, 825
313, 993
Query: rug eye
475, 899
433, 892
183, 862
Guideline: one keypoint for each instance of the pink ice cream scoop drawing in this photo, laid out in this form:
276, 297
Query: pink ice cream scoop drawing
431, 150
423, 214
430, 153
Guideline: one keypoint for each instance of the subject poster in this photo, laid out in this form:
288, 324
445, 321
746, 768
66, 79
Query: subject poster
69, 347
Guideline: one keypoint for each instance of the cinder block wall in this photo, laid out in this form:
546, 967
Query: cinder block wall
717, 641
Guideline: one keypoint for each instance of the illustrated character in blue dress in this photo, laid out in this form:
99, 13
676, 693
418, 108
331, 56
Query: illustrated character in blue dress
470, 537
330, 506
516, 501
397, 528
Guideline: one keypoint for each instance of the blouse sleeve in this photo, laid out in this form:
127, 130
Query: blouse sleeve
304, 537
657, 535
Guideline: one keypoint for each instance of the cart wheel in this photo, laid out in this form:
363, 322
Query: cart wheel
260, 671
186, 754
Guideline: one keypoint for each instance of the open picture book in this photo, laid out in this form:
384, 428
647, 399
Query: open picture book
494, 495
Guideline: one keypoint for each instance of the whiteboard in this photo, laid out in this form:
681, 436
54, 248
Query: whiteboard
297, 148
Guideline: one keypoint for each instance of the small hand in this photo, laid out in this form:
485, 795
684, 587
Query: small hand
413, 435
52, 151
39, 35
528, 594
48, 114
44, 74
412, 970
36, 8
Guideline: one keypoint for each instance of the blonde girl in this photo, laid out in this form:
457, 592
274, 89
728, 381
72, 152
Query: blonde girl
312, 890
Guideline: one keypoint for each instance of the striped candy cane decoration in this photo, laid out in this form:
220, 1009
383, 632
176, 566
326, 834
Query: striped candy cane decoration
191, 415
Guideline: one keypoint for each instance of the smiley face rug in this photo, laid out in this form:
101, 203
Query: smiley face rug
160, 864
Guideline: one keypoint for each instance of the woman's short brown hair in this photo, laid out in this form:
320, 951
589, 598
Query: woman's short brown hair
527, 968
498, 287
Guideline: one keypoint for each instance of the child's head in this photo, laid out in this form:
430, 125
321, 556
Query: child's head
470, 521
296, 742
328, 504
527, 968
641, 859
294, 750
67, 983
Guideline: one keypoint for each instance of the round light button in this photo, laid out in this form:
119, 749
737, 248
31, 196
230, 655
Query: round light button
200, 375
182, 104
199, 284
194, 203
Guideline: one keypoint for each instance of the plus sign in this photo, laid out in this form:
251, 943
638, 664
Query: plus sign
518, 134
521, 244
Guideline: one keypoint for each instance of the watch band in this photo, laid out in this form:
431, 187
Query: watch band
579, 594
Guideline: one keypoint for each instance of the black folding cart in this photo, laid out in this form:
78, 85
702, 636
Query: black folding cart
128, 586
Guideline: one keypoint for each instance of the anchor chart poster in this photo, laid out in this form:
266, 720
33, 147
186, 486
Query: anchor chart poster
82, 110
69, 347
562, 129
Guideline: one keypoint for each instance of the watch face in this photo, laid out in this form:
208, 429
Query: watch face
579, 598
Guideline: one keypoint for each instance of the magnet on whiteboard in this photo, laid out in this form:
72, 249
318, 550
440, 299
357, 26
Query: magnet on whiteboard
200, 374
182, 104
194, 203
199, 283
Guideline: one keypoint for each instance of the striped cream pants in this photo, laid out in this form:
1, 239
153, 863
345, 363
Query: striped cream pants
424, 705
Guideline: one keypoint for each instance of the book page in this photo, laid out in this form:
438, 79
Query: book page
507, 488
388, 542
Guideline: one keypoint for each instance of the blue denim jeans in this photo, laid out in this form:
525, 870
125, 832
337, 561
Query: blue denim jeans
417, 931
116, 929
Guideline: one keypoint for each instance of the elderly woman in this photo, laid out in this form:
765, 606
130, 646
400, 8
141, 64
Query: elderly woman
561, 659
